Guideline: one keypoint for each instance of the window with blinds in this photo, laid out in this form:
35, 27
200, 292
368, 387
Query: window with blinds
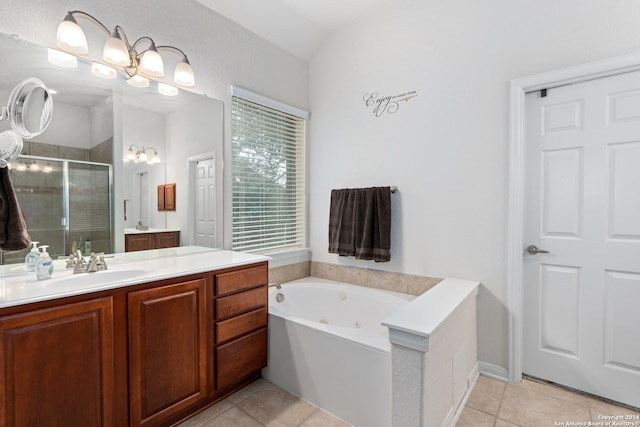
268, 168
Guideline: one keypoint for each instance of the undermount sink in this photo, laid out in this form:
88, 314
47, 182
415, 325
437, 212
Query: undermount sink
97, 278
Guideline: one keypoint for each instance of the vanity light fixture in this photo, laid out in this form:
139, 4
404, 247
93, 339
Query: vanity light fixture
140, 155
118, 52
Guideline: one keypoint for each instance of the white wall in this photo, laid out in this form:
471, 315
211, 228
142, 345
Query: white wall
186, 138
447, 148
57, 133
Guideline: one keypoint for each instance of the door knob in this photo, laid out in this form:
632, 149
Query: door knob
533, 249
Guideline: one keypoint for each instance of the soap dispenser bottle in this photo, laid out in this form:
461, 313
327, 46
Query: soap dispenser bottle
44, 266
32, 257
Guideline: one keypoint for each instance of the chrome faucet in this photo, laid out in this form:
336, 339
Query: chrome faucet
141, 227
96, 263
275, 285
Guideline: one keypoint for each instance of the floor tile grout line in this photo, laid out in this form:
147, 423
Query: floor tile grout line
504, 390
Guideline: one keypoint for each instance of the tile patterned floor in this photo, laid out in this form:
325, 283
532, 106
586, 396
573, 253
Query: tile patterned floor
263, 404
492, 404
534, 404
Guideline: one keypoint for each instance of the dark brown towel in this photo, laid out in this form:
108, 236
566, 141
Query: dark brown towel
13, 228
360, 223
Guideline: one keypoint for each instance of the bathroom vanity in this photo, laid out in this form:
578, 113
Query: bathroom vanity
143, 240
152, 340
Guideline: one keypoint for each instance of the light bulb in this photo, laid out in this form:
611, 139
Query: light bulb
167, 90
61, 59
103, 71
151, 63
131, 155
115, 51
183, 74
70, 36
138, 81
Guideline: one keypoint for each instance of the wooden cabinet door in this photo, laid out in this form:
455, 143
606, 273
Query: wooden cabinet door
169, 197
57, 366
240, 358
161, 198
167, 350
169, 239
139, 242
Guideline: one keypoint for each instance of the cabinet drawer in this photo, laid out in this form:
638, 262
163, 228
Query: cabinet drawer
236, 326
241, 358
241, 279
239, 303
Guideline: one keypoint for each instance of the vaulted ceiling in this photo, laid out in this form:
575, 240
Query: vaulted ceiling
297, 26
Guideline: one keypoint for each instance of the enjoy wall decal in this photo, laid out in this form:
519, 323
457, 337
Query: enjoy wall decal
386, 104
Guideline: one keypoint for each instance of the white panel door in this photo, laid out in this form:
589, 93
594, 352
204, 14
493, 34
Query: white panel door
582, 204
205, 203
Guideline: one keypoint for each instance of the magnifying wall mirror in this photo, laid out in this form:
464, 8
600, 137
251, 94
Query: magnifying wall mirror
29, 111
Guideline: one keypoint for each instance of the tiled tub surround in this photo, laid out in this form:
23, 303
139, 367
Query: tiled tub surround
430, 368
385, 280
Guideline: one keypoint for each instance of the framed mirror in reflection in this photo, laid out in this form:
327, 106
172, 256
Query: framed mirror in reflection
71, 180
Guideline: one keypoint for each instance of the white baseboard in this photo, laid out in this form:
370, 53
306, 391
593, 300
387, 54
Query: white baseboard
494, 371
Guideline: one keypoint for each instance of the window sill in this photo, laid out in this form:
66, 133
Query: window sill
296, 256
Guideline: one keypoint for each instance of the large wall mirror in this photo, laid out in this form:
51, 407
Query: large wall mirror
71, 181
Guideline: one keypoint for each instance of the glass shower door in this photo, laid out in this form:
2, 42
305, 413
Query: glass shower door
66, 205
39, 187
89, 214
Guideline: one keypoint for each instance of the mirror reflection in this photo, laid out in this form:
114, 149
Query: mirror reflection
73, 187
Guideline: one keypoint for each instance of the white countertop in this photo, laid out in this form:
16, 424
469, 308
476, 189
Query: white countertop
125, 269
149, 230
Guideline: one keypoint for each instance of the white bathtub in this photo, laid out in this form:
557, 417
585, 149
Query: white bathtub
327, 345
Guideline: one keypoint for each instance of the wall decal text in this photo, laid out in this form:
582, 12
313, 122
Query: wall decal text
386, 104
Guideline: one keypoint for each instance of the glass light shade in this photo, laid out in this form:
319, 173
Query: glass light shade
183, 75
47, 169
35, 167
151, 63
115, 51
61, 59
167, 90
142, 157
103, 71
70, 37
131, 155
138, 81
155, 158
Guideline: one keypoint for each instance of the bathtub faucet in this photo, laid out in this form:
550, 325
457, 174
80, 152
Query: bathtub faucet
275, 285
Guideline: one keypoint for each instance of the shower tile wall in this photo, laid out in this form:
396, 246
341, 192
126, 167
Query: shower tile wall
40, 197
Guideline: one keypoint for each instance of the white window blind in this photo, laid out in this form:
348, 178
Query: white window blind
268, 168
